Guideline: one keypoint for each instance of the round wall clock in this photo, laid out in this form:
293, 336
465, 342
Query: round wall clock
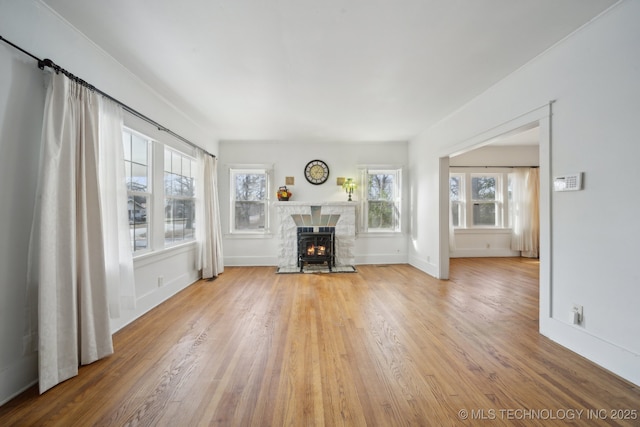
316, 172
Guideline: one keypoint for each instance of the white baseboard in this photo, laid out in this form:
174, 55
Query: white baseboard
427, 267
251, 261
382, 259
151, 300
611, 357
483, 253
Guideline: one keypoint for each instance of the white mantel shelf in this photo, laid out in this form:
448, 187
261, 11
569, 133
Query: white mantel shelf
303, 203
345, 229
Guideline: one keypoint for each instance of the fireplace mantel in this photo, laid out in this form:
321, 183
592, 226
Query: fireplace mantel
345, 229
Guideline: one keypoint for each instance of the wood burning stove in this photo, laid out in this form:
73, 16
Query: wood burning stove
316, 245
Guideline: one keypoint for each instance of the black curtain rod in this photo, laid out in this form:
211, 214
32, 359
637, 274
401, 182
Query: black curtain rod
49, 63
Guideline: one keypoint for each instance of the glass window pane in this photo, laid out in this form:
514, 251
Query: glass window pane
167, 161
250, 187
188, 187
178, 220
138, 177
483, 188
454, 188
249, 215
189, 219
381, 214
137, 207
484, 214
126, 143
380, 187
139, 150
455, 214
186, 167
127, 173
176, 163
169, 185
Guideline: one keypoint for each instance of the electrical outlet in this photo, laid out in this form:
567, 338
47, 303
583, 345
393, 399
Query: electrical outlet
160, 281
577, 314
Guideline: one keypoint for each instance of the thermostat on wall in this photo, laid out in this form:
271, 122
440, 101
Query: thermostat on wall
568, 182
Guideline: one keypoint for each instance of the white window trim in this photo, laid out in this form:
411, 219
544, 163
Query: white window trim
501, 201
156, 198
164, 148
365, 171
259, 168
149, 194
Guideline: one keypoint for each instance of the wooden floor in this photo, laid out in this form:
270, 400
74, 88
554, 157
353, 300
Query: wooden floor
386, 346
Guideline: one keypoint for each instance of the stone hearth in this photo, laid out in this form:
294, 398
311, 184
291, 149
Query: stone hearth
345, 230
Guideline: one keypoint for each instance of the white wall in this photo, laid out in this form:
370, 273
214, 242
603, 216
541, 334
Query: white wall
289, 159
35, 28
592, 254
21, 97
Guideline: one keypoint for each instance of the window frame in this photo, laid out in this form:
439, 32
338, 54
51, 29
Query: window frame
496, 201
148, 194
155, 209
461, 202
396, 200
193, 175
500, 201
266, 201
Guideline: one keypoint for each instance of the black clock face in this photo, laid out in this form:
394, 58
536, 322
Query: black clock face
316, 172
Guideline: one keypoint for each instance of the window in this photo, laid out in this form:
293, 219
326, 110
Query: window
476, 199
147, 170
456, 195
249, 200
483, 198
179, 197
383, 201
137, 166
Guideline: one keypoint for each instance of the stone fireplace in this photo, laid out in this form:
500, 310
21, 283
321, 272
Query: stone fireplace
335, 218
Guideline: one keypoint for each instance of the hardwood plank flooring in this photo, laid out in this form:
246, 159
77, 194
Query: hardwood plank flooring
386, 346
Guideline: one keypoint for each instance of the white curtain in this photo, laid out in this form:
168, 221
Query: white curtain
113, 198
525, 235
71, 242
452, 233
208, 228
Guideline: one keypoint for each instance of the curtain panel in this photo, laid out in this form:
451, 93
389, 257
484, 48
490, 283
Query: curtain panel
208, 231
525, 236
71, 256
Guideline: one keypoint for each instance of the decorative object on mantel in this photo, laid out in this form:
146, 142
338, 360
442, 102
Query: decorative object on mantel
340, 181
283, 193
349, 185
316, 172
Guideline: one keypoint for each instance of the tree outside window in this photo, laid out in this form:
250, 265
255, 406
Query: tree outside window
179, 197
476, 199
383, 200
249, 190
456, 197
483, 197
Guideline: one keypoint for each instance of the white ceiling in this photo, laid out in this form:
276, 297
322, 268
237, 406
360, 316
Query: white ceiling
339, 70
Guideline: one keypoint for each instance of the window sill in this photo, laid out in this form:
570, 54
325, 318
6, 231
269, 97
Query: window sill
482, 230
